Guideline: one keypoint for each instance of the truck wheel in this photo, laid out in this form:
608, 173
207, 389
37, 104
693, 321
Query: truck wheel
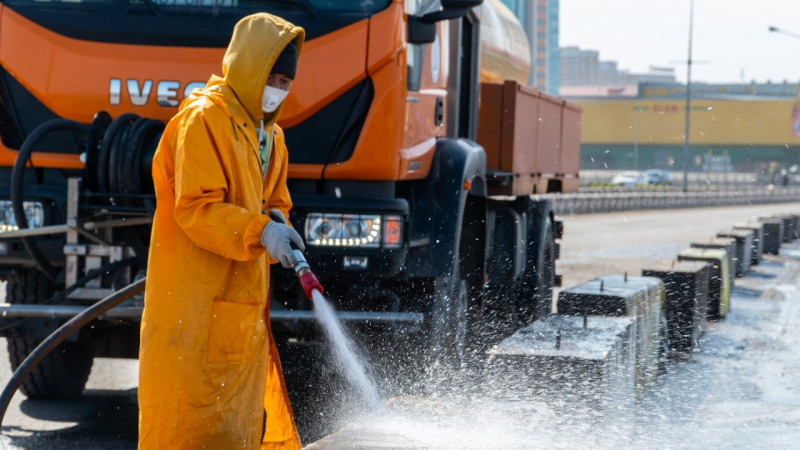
536, 299
64, 372
448, 324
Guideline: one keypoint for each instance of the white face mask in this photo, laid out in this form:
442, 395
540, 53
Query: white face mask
272, 98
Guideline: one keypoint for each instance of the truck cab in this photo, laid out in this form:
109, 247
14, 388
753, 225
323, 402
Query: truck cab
407, 224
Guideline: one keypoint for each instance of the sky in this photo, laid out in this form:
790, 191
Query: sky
730, 43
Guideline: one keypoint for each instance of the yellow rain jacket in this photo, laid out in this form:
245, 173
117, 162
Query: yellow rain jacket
208, 368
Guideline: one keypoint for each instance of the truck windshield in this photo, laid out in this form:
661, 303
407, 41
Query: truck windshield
192, 23
215, 7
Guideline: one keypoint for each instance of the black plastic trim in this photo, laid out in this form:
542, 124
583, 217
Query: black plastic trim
126, 24
349, 205
330, 135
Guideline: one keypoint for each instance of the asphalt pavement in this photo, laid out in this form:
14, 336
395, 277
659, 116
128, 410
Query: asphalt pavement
741, 389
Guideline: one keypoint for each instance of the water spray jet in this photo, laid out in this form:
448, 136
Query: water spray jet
342, 345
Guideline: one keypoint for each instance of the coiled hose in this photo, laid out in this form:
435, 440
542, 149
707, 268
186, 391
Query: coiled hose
62, 333
124, 158
17, 179
119, 155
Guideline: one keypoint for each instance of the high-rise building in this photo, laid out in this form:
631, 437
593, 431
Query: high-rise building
580, 67
553, 54
539, 19
584, 68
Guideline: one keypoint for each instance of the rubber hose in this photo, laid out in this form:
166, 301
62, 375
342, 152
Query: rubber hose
142, 172
115, 160
120, 171
130, 169
17, 179
80, 282
105, 148
62, 333
97, 130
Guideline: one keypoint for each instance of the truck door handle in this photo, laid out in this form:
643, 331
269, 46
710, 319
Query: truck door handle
439, 116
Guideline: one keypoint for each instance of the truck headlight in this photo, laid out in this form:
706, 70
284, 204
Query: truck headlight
354, 230
34, 212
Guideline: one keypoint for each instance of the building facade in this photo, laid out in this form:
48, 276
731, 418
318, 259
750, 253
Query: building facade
584, 68
580, 67
751, 126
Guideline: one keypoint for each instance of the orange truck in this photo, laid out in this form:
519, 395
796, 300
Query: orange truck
417, 156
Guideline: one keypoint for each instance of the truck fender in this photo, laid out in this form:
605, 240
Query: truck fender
459, 169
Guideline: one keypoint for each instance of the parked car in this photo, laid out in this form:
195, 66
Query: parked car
630, 178
658, 176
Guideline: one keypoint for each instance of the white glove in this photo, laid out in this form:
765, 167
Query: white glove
277, 239
276, 215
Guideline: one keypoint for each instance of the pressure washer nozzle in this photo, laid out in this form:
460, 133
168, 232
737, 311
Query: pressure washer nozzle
308, 280
310, 283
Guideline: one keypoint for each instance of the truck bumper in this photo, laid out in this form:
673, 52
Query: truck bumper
8, 310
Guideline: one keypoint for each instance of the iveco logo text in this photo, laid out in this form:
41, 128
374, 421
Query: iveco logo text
139, 94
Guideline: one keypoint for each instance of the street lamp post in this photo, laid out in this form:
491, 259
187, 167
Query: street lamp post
638, 110
688, 103
787, 33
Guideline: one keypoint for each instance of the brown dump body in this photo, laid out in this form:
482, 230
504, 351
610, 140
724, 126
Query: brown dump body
530, 135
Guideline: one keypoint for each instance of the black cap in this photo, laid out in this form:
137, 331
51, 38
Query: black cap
286, 64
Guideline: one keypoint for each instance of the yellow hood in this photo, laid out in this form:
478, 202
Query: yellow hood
257, 41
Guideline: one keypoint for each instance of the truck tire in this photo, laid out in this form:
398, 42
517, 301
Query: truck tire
448, 324
64, 372
536, 296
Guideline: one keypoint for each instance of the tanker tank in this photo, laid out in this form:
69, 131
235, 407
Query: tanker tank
505, 52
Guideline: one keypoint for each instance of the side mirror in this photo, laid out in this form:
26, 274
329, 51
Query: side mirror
422, 30
459, 4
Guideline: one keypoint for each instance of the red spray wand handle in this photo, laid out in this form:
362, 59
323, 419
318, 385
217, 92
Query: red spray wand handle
308, 280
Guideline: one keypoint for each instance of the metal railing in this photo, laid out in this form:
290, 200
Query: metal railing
600, 180
597, 202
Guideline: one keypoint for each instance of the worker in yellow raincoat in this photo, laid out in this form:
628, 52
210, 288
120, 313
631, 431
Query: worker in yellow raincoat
209, 374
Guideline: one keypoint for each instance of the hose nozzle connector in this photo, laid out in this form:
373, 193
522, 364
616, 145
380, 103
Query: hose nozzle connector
308, 280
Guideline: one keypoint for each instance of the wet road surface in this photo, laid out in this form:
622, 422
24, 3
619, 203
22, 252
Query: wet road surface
741, 389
